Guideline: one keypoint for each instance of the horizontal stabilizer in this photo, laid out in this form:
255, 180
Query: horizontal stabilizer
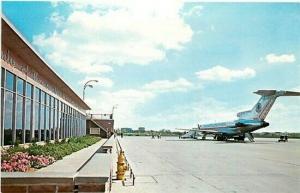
277, 93
291, 93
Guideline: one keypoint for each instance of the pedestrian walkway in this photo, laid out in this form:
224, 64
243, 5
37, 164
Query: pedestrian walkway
87, 170
71, 163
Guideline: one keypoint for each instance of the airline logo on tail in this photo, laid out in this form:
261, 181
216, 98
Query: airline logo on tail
265, 103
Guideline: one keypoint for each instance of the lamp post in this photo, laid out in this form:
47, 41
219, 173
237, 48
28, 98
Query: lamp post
87, 84
112, 112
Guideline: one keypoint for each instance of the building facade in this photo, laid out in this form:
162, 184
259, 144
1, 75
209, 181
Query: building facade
36, 104
126, 130
100, 124
141, 129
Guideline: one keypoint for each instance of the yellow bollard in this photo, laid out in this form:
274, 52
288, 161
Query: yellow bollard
121, 166
125, 166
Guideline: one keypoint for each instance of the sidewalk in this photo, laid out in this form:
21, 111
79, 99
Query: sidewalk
71, 163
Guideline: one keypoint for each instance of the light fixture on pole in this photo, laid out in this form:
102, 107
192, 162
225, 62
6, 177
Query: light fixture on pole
112, 112
87, 84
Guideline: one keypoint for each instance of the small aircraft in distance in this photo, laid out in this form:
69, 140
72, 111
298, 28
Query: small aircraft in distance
247, 122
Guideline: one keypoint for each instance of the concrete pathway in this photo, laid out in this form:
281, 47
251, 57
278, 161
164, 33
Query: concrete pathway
71, 163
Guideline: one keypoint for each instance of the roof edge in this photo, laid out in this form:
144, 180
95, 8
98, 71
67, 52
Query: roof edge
7, 21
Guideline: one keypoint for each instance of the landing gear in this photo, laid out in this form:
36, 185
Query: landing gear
204, 137
249, 136
239, 138
220, 138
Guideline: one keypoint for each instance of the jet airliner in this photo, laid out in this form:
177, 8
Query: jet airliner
247, 122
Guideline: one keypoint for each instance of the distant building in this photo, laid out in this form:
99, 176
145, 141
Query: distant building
126, 130
100, 124
141, 129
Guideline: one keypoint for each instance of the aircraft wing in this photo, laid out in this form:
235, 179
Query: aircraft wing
217, 130
208, 131
201, 130
188, 129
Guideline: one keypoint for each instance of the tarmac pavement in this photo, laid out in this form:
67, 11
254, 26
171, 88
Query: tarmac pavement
171, 165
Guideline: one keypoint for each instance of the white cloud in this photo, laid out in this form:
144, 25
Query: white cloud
54, 3
205, 110
296, 88
184, 116
284, 115
57, 19
102, 81
131, 100
180, 84
220, 73
195, 10
284, 58
128, 101
95, 36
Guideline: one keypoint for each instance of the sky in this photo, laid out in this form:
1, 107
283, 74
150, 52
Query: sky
170, 64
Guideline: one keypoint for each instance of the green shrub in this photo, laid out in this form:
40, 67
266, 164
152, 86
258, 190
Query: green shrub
14, 149
58, 149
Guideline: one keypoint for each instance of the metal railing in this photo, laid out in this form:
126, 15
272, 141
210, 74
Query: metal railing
106, 116
132, 175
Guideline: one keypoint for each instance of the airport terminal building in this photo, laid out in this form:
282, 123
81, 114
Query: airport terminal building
36, 104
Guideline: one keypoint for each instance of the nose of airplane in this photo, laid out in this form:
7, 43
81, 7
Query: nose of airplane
265, 124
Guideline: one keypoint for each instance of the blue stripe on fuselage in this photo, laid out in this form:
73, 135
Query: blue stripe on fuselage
236, 127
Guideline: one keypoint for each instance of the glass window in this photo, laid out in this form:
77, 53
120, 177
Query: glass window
57, 103
66, 125
19, 119
42, 122
77, 128
61, 125
47, 99
28, 90
28, 106
53, 123
2, 108
20, 86
47, 123
10, 81
50, 123
36, 122
8, 118
2, 76
42, 97
37, 94
56, 125
52, 102
71, 126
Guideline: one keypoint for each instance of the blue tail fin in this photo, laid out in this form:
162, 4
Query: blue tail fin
264, 104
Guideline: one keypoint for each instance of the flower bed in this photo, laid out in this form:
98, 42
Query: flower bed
20, 159
23, 162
